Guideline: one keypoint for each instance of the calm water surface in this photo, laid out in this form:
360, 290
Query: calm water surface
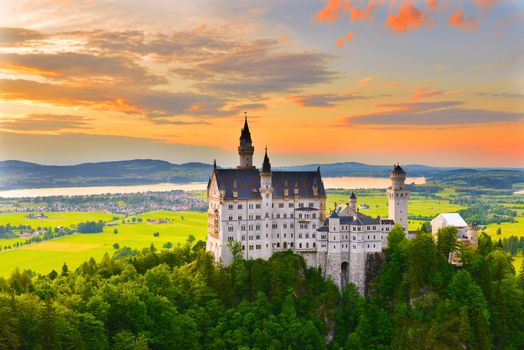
329, 182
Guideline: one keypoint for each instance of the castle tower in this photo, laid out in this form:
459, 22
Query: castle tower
398, 196
245, 149
266, 192
334, 256
353, 202
472, 234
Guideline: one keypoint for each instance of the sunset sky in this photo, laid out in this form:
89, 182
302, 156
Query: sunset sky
437, 82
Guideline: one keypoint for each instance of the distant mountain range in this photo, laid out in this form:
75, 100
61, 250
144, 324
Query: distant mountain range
17, 174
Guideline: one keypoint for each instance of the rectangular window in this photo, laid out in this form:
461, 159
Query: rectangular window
259, 246
240, 206
230, 207
257, 206
230, 239
281, 205
290, 205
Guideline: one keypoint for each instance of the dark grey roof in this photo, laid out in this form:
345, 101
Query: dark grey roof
323, 229
353, 196
247, 180
248, 183
334, 215
398, 169
346, 220
359, 219
303, 180
266, 165
245, 135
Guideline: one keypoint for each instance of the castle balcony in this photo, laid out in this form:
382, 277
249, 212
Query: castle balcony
306, 250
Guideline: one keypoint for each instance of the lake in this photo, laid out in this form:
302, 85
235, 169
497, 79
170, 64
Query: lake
329, 182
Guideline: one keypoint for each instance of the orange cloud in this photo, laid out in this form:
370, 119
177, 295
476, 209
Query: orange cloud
408, 17
485, 3
392, 86
432, 5
330, 12
457, 19
364, 14
364, 81
346, 38
421, 92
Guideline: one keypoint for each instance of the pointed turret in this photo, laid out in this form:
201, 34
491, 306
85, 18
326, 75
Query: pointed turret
266, 165
245, 149
245, 134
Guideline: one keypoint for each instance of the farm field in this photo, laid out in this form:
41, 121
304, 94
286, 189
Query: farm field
77, 248
65, 219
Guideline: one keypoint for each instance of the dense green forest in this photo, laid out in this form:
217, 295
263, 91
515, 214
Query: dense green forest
179, 299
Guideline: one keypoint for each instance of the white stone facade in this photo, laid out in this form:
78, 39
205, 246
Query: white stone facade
270, 211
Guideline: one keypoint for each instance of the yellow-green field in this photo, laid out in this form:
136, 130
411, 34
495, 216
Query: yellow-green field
77, 248
65, 219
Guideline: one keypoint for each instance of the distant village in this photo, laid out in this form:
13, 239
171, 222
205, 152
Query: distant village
124, 204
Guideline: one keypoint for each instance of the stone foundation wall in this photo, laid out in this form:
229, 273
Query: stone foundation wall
357, 270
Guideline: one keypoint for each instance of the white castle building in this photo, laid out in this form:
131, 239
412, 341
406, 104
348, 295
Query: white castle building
270, 211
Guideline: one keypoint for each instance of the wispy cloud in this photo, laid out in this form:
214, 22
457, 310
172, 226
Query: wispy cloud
513, 59
424, 92
457, 19
12, 37
325, 100
432, 113
501, 95
45, 122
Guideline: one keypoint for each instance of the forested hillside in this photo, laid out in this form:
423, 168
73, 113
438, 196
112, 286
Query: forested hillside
179, 299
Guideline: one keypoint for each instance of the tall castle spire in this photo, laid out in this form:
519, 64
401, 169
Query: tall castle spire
266, 165
245, 149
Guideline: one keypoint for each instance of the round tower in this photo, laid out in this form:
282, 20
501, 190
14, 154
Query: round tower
398, 196
245, 149
353, 202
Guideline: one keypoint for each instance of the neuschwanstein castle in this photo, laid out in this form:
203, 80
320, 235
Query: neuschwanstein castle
270, 211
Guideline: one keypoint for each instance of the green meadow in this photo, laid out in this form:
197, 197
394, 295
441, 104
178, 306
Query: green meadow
79, 247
